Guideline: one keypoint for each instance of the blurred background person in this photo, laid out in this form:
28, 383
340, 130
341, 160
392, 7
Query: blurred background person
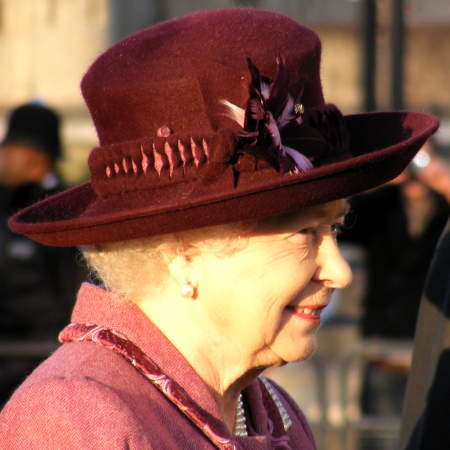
37, 283
425, 417
398, 226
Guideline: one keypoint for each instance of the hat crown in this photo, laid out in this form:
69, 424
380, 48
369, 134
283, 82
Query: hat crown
174, 74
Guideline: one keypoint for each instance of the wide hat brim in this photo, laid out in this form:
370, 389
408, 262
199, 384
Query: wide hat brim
382, 145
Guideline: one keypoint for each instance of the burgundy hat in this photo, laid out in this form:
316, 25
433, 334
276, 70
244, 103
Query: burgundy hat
214, 118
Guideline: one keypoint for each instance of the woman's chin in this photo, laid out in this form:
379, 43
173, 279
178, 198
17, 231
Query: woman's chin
296, 340
290, 352
305, 354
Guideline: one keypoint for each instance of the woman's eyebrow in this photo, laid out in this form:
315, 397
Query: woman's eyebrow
338, 211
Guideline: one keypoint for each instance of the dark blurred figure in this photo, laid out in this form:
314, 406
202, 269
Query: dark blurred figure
425, 417
398, 226
37, 283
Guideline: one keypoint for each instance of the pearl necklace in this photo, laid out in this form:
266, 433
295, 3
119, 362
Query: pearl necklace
240, 424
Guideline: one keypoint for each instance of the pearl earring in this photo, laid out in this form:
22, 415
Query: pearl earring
187, 290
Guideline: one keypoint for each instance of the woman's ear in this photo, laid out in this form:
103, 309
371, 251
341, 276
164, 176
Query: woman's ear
184, 272
179, 268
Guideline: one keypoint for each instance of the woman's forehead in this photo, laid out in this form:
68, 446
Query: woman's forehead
309, 216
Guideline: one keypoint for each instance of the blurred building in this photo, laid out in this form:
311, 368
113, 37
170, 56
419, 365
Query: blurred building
46, 45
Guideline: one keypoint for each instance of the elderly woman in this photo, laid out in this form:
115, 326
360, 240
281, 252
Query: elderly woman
211, 217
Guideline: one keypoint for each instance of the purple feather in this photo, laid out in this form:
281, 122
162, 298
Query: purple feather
273, 131
272, 127
265, 90
254, 73
287, 114
255, 109
279, 89
296, 160
301, 162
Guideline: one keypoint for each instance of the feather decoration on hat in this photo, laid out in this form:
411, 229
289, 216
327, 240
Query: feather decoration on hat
275, 126
269, 109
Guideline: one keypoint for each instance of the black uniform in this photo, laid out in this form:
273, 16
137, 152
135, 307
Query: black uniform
397, 263
37, 284
425, 422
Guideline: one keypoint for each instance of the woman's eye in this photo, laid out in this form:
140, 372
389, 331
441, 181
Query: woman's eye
337, 228
306, 231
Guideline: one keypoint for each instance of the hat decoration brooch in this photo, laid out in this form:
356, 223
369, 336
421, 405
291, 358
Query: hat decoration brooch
275, 126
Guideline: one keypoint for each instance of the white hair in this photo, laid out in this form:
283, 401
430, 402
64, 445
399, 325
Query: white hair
138, 267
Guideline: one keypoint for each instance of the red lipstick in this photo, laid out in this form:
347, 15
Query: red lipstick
311, 313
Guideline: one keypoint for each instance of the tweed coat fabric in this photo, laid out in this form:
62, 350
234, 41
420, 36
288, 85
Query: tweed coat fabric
85, 396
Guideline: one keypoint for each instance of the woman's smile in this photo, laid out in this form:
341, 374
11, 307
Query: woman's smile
310, 309
312, 313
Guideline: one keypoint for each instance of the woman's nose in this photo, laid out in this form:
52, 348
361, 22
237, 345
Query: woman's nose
332, 269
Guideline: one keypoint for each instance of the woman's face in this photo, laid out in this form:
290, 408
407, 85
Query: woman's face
265, 300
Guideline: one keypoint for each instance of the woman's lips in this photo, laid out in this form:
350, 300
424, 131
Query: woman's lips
311, 313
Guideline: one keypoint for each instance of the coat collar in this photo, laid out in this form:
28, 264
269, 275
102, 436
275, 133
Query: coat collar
96, 305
